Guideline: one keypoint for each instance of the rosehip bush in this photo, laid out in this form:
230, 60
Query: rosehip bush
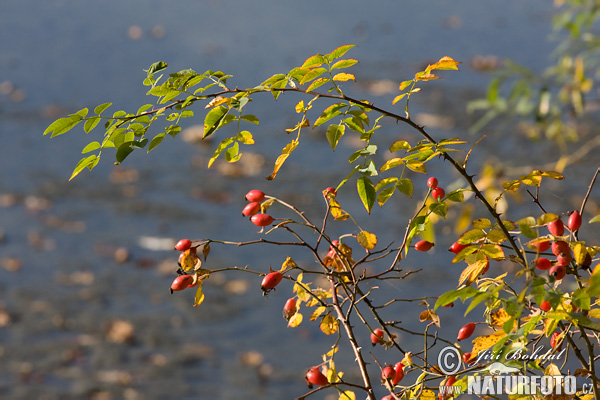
523, 277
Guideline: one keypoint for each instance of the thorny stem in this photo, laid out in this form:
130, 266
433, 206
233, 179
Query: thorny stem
353, 343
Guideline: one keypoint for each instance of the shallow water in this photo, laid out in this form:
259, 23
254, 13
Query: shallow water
58, 307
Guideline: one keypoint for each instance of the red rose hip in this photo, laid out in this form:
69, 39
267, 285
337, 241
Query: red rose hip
315, 377
330, 192
251, 209
377, 336
261, 219
557, 228
255, 195
270, 281
438, 193
540, 246
466, 331
558, 272
545, 305
457, 247
543, 264
574, 222
432, 182
183, 245
560, 247
289, 309
388, 373
399, 368
181, 282
423, 245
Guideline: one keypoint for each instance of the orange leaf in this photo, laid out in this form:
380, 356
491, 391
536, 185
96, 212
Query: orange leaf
444, 63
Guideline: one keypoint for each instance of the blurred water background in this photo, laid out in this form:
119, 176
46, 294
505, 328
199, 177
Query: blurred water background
85, 310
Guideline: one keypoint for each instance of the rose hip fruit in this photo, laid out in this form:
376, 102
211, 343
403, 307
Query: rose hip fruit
467, 357
574, 222
560, 247
541, 246
388, 373
545, 305
330, 191
377, 336
289, 309
399, 368
543, 264
270, 281
563, 259
556, 341
557, 228
261, 219
183, 245
315, 377
255, 195
466, 331
423, 245
457, 247
558, 272
438, 193
181, 282
251, 209
432, 182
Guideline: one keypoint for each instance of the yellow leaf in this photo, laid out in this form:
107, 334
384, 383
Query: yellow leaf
404, 85
320, 310
416, 166
493, 251
426, 77
580, 252
331, 352
552, 369
407, 360
512, 185
472, 272
217, 101
499, 317
288, 263
347, 395
482, 343
394, 162
444, 63
427, 395
336, 210
367, 240
429, 315
300, 106
199, 295
295, 320
532, 179
329, 325
285, 153
343, 77
188, 260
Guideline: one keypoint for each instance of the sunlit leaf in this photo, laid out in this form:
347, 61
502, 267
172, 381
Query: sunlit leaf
472, 272
285, 153
429, 315
344, 63
471, 236
312, 74
88, 162
63, 125
340, 51
366, 192
334, 134
405, 186
499, 317
90, 147
416, 166
405, 84
394, 162
343, 77
347, 395
336, 210
367, 240
482, 223
313, 61
317, 83
317, 313
493, 251
199, 298
329, 325
399, 145
384, 195
579, 252
295, 320
444, 63
482, 343
213, 120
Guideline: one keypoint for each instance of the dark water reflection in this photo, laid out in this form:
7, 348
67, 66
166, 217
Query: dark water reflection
59, 309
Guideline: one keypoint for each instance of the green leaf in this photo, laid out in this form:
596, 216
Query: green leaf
63, 125
440, 209
250, 118
405, 186
90, 124
99, 109
471, 236
84, 162
222, 146
493, 251
344, 63
334, 134
123, 152
317, 83
595, 219
90, 147
314, 61
456, 196
340, 51
416, 166
482, 223
312, 74
232, 154
329, 113
355, 124
385, 195
464, 293
366, 192
213, 120
156, 67
385, 182
156, 141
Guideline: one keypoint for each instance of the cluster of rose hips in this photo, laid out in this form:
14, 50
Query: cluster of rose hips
252, 209
560, 248
437, 193
184, 281
392, 375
